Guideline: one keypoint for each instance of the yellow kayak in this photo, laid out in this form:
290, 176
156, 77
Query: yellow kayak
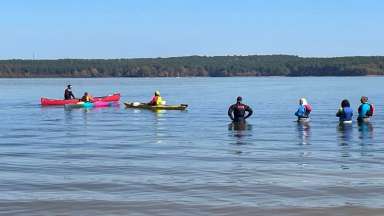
137, 105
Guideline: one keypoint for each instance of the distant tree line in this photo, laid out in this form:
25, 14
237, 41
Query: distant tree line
217, 66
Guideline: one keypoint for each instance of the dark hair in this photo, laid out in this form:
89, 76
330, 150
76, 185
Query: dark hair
345, 103
239, 99
364, 99
69, 86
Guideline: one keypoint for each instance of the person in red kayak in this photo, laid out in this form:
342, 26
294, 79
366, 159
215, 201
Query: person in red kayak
68, 94
86, 97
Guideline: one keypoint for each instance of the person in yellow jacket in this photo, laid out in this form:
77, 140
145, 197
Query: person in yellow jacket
156, 99
86, 97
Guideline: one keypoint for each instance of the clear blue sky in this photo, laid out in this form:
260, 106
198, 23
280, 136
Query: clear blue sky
160, 28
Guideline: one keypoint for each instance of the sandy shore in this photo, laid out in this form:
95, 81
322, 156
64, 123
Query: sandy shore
151, 208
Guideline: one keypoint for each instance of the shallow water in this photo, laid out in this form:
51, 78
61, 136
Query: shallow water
137, 162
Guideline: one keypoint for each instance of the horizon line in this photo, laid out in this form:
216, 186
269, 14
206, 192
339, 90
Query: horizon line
184, 56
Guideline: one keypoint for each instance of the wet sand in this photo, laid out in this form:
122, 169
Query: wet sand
166, 208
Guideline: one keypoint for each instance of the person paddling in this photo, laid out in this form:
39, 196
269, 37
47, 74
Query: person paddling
156, 99
68, 94
237, 112
365, 110
345, 112
303, 111
86, 97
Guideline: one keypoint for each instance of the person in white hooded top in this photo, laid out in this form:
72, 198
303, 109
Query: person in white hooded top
304, 110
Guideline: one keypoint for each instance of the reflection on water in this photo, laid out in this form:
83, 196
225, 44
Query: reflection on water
366, 132
366, 137
239, 126
304, 132
345, 132
345, 140
159, 117
240, 130
159, 113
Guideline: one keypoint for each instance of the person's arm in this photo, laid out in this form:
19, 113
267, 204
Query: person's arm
339, 112
72, 95
249, 110
359, 110
230, 111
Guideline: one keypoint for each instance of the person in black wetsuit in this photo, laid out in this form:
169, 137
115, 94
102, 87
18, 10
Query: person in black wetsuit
68, 94
237, 111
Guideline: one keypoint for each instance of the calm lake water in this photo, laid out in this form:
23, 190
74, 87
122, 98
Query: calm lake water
112, 161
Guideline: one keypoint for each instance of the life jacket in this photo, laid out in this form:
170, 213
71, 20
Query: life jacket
159, 100
371, 110
308, 108
156, 100
347, 114
86, 98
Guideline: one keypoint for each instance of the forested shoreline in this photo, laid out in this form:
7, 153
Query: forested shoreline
216, 66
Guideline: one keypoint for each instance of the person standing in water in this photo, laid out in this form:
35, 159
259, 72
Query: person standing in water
365, 110
345, 112
68, 94
303, 111
239, 112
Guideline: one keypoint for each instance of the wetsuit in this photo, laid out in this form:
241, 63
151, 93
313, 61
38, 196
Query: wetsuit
68, 95
239, 111
345, 114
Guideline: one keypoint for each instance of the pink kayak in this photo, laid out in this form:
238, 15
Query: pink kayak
91, 105
105, 104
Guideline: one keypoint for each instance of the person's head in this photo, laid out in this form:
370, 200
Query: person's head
69, 86
85, 93
364, 99
157, 93
239, 99
303, 101
345, 103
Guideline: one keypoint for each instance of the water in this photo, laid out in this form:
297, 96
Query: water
113, 161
